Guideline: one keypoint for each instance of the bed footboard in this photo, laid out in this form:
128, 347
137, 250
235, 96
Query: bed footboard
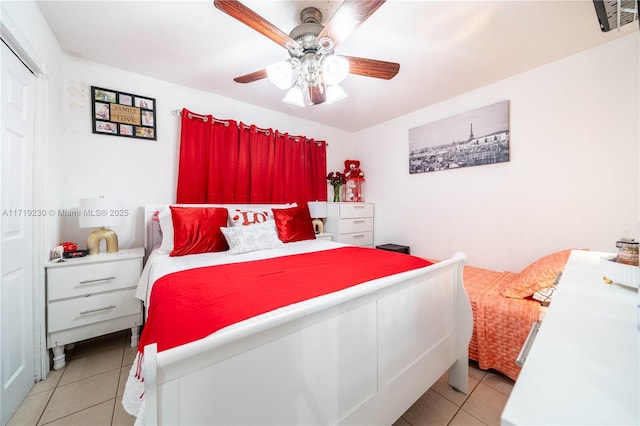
363, 359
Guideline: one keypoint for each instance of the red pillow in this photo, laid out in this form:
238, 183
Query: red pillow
294, 224
197, 230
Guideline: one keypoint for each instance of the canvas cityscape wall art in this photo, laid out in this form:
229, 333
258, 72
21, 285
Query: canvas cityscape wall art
469, 139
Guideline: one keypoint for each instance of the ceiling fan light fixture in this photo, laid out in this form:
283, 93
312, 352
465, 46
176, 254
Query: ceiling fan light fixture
335, 94
334, 69
313, 70
294, 96
281, 74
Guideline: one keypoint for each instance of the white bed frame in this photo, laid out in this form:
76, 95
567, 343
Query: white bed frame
364, 358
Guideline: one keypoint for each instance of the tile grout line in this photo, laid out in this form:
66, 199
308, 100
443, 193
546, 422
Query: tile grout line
76, 412
71, 383
53, 391
463, 402
44, 408
466, 412
113, 412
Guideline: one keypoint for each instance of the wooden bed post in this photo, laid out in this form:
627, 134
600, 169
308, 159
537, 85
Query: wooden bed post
459, 371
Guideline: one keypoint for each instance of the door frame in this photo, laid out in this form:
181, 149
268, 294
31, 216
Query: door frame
18, 43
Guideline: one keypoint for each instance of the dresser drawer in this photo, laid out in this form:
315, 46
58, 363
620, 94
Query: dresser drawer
352, 210
357, 239
78, 280
361, 224
91, 309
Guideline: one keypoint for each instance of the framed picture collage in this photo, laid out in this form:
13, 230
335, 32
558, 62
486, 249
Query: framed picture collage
123, 114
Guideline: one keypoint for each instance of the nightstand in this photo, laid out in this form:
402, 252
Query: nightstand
395, 247
351, 223
92, 296
324, 236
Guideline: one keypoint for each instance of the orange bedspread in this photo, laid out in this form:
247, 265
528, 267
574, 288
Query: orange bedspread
500, 324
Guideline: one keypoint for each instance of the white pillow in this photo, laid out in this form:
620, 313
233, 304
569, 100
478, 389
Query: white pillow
166, 226
245, 239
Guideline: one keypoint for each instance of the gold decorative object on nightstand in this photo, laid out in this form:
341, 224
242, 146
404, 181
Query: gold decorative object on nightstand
110, 237
100, 212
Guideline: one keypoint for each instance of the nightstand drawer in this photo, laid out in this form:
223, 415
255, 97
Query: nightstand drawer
357, 239
78, 280
91, 309
353, 210
361, 224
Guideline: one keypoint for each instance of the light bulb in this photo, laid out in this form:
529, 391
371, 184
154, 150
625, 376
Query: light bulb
281, 74
294, 96
334, 69
335, 94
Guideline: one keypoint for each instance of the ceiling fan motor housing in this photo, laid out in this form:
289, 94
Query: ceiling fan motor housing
311, 15
311, 50
306, 34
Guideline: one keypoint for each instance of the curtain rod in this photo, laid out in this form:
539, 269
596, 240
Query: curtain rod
178, 112
204, 118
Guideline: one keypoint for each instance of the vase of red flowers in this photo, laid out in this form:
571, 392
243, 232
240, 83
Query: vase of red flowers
336, 179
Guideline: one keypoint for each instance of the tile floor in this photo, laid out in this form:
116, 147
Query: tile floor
89, 389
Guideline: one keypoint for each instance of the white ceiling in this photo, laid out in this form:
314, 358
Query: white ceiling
444, 48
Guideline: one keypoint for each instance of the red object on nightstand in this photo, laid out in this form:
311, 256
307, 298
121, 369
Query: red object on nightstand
69, 246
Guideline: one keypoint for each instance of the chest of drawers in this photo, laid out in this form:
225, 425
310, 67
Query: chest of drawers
583, 367
92, 296
351, 223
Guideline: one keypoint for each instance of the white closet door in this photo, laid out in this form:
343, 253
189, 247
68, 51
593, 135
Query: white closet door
16, 245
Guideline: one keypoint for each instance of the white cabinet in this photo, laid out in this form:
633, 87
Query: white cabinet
583, 365
92, 296
350, 223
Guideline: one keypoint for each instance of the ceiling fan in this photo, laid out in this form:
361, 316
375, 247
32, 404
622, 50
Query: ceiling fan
313, 72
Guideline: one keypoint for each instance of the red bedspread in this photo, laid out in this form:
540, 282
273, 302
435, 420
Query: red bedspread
189, 305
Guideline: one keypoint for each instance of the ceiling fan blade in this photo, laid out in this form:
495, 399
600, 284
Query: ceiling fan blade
254, 76
372, 67
349, 16
242, 13
317, 95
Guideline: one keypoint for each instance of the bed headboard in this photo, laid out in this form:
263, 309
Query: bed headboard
153, 236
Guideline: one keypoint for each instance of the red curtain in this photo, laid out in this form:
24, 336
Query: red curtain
223, 162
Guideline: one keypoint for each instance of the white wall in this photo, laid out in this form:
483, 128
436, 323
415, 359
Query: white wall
140, 171
572, 180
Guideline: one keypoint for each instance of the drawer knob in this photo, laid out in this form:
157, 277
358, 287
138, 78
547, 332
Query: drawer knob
358, 236
97, 280
90, 311
358, 221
